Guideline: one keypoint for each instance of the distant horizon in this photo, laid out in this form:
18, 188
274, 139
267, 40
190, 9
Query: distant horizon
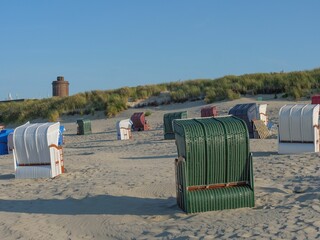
110, 44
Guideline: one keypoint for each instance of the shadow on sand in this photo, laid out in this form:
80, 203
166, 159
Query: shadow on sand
263, 154
6, 176
101, 204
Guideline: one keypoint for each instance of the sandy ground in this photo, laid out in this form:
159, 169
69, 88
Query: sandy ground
126, 189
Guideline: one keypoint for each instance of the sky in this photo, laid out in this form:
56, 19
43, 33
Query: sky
108, 44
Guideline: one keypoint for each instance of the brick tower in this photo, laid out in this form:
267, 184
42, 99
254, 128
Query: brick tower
60, 88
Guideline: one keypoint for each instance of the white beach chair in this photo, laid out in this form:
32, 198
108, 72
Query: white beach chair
36, 152
124, 129
262, 113
298, 128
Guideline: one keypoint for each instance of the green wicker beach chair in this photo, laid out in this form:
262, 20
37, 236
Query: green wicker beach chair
214, 169
167, 123
84, 127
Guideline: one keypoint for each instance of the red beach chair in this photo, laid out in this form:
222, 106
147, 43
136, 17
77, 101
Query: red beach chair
139, 122
210, 111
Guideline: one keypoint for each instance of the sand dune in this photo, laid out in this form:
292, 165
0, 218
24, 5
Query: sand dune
126, 189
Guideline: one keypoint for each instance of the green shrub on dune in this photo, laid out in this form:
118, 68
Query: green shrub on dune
294, 85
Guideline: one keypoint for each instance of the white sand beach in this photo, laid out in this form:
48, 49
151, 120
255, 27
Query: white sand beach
126, 189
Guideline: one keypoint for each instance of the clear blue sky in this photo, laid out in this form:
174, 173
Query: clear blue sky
104, 44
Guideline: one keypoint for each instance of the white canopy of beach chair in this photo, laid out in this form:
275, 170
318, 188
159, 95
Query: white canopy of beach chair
298, 128
124, 129
35, 150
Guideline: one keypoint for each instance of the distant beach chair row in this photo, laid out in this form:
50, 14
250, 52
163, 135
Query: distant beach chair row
137, 122
124, 127
254, 115
298, 128
248, 112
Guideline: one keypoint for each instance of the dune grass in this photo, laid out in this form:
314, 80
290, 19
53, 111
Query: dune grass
294, 85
